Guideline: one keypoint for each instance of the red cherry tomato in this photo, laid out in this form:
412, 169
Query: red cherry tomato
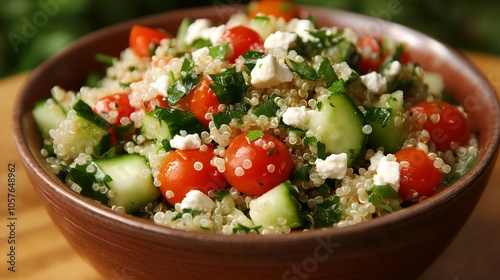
242, 39
373, 53
445, 123
202, 100
277, 8
142, 39
418, 176
186, 170
254, 166
115, 108
371, 58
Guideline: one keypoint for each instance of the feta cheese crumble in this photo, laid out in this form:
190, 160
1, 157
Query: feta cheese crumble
333, 167
188, 142
161, 84
280, 40
374, 82
393, 70
387, 170
343, 70
196, 30
196, 200
270, 72
297, 116
302, 27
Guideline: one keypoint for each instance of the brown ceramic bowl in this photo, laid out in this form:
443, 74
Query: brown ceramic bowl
400, 245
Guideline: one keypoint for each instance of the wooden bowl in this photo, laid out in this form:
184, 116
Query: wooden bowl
400, 245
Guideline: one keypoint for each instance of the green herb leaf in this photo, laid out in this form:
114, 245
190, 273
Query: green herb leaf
187, 81
193, 213
327, 213
201, 43
229, 86
378, 115
226, 116
304, 70
268, 108
302, 173
321, 150
253, 135
326, 70
245, 229
337, 87
219, 195
384, 197
83, 110
251, 58
219, 51
166, 145
178, 120
290, 128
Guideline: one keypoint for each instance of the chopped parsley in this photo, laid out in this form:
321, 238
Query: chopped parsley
186, 82
229, 86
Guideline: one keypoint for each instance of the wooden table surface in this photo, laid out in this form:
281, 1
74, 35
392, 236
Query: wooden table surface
42, 253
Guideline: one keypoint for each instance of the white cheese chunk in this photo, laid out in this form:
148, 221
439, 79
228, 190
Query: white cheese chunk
393, 70
297, 116
196, 200
387, 172
343, 70
188, 142
333, 167
302, 27
375, 159
161, 84
270, 72
280, 40
374, 82
197, 30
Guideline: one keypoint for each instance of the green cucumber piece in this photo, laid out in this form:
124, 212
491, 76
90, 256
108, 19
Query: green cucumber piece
48, 115
133, 190
386, 132
278, 203
338, 124
262, 25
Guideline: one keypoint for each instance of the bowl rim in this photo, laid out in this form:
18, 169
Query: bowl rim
105, 214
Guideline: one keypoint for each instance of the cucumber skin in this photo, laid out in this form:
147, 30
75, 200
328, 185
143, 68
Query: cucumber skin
161, 133
390, 137
47, 116
132, 192
341, 124
278, 202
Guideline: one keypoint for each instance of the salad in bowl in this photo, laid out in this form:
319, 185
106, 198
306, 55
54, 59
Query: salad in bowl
265, 124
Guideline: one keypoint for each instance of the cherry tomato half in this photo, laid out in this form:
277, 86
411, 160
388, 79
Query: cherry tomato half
445, 123
202, 100
418, 175
254, 166
142, 39
373, 53
186, 170
277, 8
242, 39
371, 58
116, 108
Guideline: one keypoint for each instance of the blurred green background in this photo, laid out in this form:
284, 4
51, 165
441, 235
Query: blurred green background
32, 30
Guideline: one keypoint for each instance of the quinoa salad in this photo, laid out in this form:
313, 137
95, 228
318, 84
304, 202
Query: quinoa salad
264, 124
